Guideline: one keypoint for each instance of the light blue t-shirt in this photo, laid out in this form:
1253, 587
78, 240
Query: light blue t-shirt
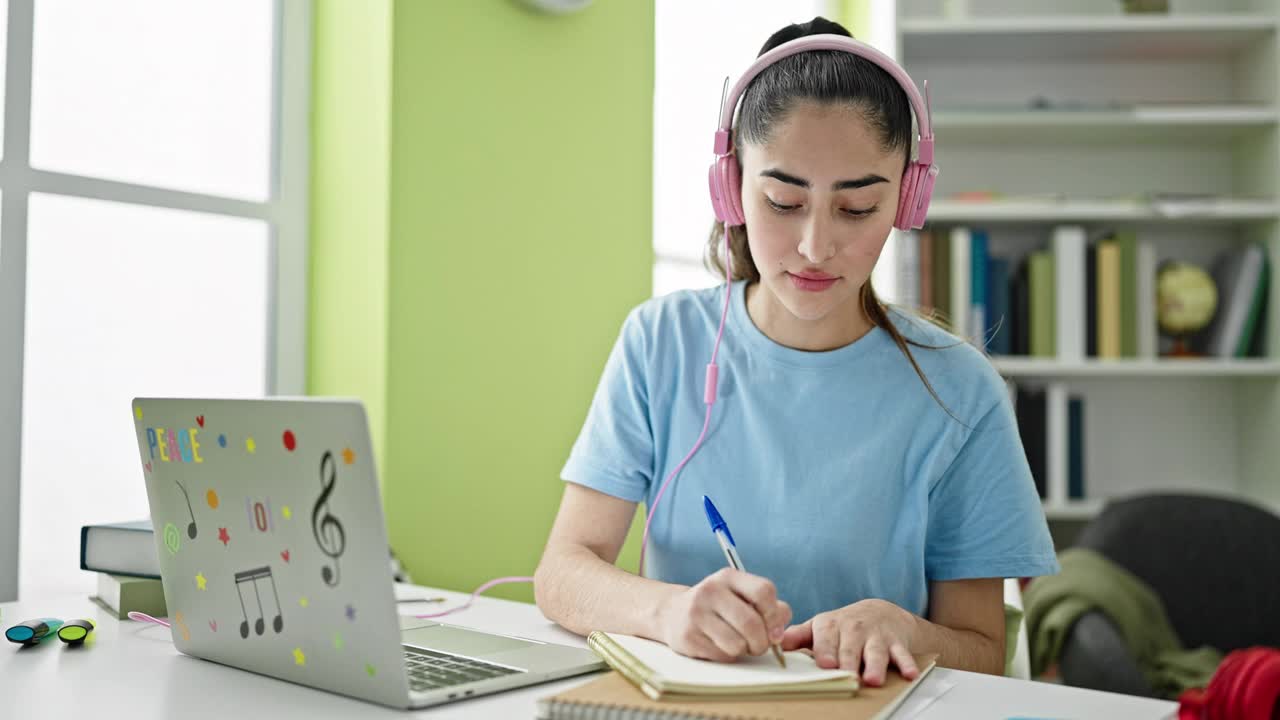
840, 476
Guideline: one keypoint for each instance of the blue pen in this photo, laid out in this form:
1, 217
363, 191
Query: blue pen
721, 530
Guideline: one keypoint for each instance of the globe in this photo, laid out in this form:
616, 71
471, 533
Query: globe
1186, 298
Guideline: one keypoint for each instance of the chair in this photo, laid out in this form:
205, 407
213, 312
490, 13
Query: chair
1210, 560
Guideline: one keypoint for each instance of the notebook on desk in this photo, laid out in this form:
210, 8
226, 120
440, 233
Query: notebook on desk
663, 674
722, 691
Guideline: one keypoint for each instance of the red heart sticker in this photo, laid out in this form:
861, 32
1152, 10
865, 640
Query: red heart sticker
148, 467
285, 555
200, 420
213, 625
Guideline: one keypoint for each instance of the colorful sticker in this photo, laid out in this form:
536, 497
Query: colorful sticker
222, 441
284, 555
338, 643
147, 465
200, 421
327, 530
286, 512
351, 613
201, 581
213, 626
137, 412
259, 512
253, 576
250, 445
223, 536
182, 625
172, 540
303, 601
370, 669
299, 657
348, 456
211, 497
290, 442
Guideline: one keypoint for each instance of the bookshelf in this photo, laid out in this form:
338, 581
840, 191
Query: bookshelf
1093, 119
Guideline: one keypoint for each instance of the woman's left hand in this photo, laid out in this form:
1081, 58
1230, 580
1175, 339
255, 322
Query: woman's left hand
870, 632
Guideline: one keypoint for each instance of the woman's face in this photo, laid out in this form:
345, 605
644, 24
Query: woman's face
819, 199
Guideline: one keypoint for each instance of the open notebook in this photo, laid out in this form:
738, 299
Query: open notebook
752, 689
662, 674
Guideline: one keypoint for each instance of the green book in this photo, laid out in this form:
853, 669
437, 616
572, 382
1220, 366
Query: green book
122, 594
1043, 326
1128, 242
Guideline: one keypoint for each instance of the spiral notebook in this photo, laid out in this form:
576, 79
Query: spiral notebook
618, 696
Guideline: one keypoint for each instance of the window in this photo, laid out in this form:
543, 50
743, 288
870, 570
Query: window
153, 220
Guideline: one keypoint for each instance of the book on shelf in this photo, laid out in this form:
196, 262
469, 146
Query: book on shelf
1029, 409
1042, 315
121, 595
1069, 249
126, 548
1241, 275
1075, 447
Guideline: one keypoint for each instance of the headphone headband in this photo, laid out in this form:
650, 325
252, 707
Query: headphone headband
831, 41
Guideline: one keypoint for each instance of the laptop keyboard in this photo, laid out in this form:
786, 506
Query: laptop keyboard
429, 670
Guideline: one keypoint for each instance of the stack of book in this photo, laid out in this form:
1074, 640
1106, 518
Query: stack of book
124, 557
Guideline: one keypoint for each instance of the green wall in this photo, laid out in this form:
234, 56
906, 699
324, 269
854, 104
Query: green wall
351, 136
517, 236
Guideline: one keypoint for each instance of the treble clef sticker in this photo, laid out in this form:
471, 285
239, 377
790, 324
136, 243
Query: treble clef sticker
328, 531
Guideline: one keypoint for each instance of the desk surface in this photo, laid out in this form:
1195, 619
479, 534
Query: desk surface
132, 670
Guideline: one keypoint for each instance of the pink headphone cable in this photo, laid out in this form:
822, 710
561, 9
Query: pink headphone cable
709, 396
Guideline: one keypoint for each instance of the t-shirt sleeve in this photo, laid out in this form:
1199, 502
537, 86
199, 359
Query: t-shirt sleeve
614, 450
985, 516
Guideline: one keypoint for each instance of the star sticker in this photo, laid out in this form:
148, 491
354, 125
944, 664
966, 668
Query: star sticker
298, 657
224, 537
200, 580
286, 512
138, 412
250, 446
348, 456
351, 613
337, 641
303, 601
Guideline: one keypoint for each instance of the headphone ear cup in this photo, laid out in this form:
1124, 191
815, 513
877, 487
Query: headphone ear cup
914, 196
907, 197
725, 181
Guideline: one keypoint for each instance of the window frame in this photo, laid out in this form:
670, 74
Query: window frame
285, 211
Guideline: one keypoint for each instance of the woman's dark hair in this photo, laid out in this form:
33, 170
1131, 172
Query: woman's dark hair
827, 77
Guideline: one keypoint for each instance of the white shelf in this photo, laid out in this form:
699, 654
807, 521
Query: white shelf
1072, 509
950, 211
1097, 37
1172, 123
1159, 368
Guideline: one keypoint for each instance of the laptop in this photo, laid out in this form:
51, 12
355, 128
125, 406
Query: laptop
274, 557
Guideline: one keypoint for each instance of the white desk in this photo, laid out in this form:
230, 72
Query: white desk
132, 670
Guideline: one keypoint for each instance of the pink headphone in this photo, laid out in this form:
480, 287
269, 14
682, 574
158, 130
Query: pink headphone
725, 177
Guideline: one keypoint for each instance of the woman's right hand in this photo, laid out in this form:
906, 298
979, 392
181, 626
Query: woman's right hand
729, 614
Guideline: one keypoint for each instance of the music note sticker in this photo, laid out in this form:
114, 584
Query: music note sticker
254, 576
327, 530
191, 529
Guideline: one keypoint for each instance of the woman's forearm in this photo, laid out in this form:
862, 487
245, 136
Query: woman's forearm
959, 649
577, 589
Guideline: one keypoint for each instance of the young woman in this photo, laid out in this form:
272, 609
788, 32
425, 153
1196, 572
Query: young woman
867, 461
